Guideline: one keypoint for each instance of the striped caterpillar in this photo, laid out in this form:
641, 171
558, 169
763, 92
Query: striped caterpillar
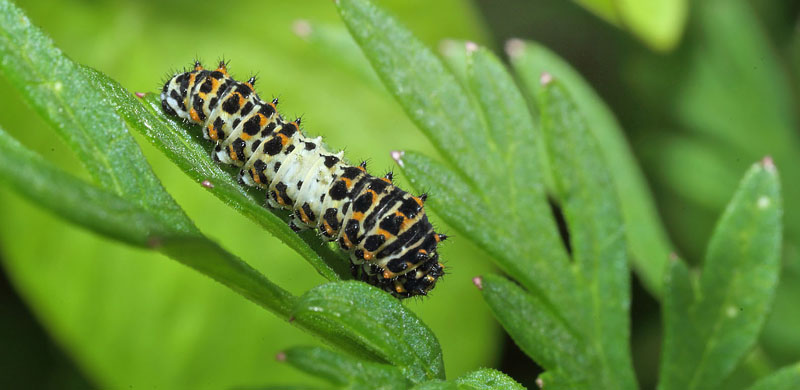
391, 243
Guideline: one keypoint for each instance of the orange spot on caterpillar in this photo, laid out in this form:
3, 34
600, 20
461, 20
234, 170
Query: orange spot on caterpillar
388, 274
384, 233
328, 228
304, 216
232, 154
283, 138
212, 133
193, 115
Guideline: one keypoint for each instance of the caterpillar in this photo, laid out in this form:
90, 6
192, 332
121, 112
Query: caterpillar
385, 230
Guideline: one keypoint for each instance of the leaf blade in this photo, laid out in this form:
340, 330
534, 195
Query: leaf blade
73, 199
734, 291
588, 198
107, 214
487, 379
786, 378
53, 85
345, 371
432, 98
357, 318
740, 272
647, 240
537, 330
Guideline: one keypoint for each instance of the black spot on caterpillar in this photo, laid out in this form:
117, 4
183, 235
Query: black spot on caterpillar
391, 243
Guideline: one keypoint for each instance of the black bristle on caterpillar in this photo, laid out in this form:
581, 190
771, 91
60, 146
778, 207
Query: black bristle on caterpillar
391, 243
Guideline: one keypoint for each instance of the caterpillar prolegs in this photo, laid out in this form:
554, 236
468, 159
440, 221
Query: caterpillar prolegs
391, 243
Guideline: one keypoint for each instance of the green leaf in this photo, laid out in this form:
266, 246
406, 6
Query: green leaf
679, 295
436, 385
54, 87
787, 378
183, 144
429, 94
658, 23
68, 99
108, 214
647, 240
487, 379
73, 199
212, 260
704, 341
370, 323
494, 128
456, 202
521, 232
345, 371
596, 232
539, 332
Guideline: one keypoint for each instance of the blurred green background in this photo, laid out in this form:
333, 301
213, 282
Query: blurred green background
702, 88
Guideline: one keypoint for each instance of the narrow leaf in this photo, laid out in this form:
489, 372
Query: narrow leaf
429, 94
487, 379
647, 240
735, 289
212, 260
524, 209
585, 191
184, 145
657, 23
530, 255
436, 385
53, 85
679, 349
539, 332
106, 213
73, 199
358, 318
345, 371
787, 378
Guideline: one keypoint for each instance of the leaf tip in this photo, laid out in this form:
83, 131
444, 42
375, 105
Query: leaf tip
514, 47
545, 78
207, 184
478, 282
471, 47
397, 156
140, 95
280, 356
768, 164
302, 28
